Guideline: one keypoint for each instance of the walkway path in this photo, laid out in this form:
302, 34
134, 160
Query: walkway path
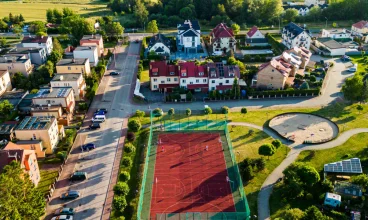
267, 186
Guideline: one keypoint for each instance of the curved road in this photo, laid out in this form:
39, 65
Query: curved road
267, 186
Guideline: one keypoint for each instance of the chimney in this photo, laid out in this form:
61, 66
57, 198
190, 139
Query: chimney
61, 78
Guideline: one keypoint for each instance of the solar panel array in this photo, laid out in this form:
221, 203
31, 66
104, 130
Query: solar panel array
24, 122
62, 92
34, 123
43, 92
346, 166
220, 68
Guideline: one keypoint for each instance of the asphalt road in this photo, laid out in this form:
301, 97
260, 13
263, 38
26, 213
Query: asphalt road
113, 94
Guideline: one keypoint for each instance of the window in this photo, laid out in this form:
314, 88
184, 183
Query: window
184, 81
191, 83
212, 88
172, 73
175, 79
162, 81
168, 79
183, 74
197, 80
201, 73
204, 80
213, 81
154, 80
34, 137
155, 86
227, 81
69, 68
48, 101
155, 73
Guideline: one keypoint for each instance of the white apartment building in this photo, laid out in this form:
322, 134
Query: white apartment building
188, 39
90, 52
336, 34
38, 42
295, 36
72, 80
5, 83
58, 96
16, 63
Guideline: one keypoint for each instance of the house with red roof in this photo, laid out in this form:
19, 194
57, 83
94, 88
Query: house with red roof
360, 28
221, 77
254, 37
164, 77
222, 39
193, 77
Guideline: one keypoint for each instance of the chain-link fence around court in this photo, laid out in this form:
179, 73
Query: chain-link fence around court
192, 124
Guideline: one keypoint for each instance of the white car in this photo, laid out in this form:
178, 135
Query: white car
63, 217
354, 68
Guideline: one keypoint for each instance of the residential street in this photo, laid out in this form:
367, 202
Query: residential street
113, 94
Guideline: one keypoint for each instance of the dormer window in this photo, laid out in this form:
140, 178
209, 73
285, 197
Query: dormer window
201, 73
172, 73
155, 71
183, 73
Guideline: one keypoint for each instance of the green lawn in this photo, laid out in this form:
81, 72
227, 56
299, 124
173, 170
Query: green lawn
47, 178
356, 146
248, 146
362, 67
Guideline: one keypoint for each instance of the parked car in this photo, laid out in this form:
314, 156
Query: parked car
101, 110
95, 126
78, 176
63, 217
99, 113
89, 146
345, 58
114, 73
354, 68
64, 211
70, 195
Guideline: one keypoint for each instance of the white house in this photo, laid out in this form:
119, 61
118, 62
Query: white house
193, 77
294, 35
5, 83
221, 77
163, 77
16, 63
38, 42
159, 44
90, 52
314, 2
188, 38
336, 34
73, 80
332, 47
360, 28
222, 39
254, 37
332, 199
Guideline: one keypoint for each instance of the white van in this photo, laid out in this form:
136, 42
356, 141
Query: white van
98, 120
354, 68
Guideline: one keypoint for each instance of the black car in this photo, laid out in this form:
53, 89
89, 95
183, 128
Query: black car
95, 126
114, 73
89, 146
70, 195
78, 176
104, 110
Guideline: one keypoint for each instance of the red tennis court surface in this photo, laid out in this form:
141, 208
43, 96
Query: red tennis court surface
189, 178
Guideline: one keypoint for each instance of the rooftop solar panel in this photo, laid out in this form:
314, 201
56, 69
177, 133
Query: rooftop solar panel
346, 166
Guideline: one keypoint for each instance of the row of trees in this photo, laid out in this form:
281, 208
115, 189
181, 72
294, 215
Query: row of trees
12, 20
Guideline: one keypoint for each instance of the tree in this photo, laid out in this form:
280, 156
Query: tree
305, 85
171, 112
186, 13
302, 172
61, 155
363, 53
20, 200
121, 189
41, 34
50, 15
313, 213
134, 125
236, 28
124, 176
140, 12
291, 14
152, 27
188, 112
57, 46
58, 16
361, 180
292, 214
67, 12
6, 107
208, 111
3, 25
37, 26
3, 42
235, 90
17, 29
114, 29
314, 13
244, 110
267, 150
140, 114
189, 96
276, 143
157, 112
353, 88
119, 203
225, 109
359, 108
76, 26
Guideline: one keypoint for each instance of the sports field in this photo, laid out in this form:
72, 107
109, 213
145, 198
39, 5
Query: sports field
191, 173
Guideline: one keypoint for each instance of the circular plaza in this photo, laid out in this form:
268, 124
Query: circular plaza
304, 128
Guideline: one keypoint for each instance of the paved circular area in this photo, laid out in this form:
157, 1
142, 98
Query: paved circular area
304, 128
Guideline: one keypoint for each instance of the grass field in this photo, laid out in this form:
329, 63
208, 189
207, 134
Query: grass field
47, 178
37, 10
248, 146
145, 76
362, 67
356, 146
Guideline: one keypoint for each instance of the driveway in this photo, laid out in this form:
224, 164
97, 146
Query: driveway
113, 94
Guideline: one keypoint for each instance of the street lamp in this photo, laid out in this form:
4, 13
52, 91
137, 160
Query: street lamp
326, 22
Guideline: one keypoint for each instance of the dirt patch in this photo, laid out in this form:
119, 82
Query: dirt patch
304, 128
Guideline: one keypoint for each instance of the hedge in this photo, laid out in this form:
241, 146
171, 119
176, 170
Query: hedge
277, 46
272, 93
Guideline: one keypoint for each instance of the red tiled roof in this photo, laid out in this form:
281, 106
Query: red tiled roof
162, 86
163, 69
192, 70
41, 39
196, 86
221, 31
6, 157
252, 31
361, 24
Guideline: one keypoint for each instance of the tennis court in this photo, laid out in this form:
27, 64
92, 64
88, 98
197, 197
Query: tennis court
190, 175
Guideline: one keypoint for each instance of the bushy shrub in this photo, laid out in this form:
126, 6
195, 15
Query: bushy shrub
276, 143
309, 196
208, 111
121, 189
129, 148
188, 112
131, 136
225, 109
171, 111
126, 162
134, 125
119, 203
260, 163
124, 176
61, 155
248, 173
140, 114
82, 106
157, 112
244, 110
